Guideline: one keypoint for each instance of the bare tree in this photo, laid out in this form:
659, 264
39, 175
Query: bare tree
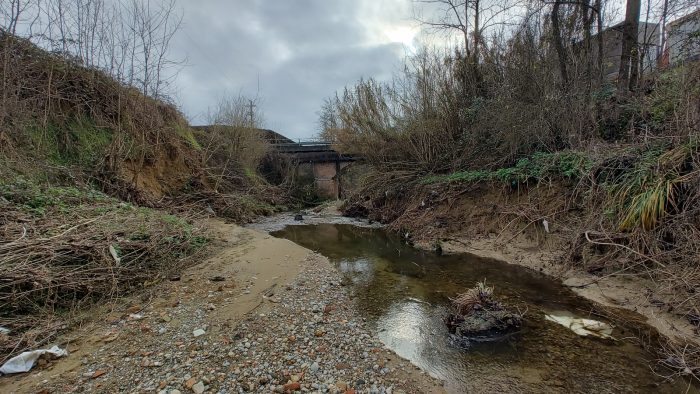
328, 122
129, 39
470, 18
11, 13
234, 141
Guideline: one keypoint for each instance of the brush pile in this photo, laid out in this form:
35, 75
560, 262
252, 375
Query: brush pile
478, 316
63, 248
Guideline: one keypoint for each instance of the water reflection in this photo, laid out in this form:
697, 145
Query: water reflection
404, 294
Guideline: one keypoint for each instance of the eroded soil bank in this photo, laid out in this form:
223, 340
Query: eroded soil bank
262, 315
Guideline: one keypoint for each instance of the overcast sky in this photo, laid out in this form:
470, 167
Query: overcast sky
292, 54
300, 51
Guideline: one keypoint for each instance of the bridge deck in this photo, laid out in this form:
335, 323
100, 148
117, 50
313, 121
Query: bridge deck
317, 151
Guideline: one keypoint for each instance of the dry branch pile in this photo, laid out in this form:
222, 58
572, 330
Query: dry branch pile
65, 248
479, 316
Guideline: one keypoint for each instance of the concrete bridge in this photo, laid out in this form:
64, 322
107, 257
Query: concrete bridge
317, 160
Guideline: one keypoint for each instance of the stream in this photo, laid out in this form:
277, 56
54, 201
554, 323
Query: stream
403, 293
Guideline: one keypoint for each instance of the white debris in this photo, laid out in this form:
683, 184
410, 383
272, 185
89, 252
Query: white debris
115, 255
545, 223
581, 326
198, 332
25, 361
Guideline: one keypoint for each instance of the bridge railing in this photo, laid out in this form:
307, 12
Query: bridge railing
303, 146
303, 142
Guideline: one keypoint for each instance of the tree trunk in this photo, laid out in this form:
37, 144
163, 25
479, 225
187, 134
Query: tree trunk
627, 75
558, 46
466, 31
599, 28
477, 32
587, 15
660, 56
478, 80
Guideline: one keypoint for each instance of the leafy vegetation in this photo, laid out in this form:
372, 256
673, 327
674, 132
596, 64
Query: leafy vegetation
538, 167
654, 187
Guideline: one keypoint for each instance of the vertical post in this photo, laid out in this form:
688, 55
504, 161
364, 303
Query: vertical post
251, 113
337, 175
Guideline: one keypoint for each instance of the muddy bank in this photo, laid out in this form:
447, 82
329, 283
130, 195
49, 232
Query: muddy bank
261, 315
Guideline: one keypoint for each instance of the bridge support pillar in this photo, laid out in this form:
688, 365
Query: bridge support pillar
325, 176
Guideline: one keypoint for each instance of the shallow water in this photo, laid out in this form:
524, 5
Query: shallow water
403, 292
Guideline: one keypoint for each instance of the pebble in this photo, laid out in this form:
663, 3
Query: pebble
313, 340
198, 388
198, 332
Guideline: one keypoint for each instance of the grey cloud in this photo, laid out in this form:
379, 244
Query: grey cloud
302, 51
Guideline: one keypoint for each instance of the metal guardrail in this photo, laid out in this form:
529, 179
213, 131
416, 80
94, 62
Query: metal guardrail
306, 146
315, 151
304, 143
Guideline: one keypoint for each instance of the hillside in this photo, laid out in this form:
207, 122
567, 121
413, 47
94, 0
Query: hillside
101, 191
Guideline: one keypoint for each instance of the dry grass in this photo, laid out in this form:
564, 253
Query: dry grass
65, 248
478, 297
682, 360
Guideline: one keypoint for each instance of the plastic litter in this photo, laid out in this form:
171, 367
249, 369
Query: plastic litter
582, 327
4, 330
25, 361
115, 255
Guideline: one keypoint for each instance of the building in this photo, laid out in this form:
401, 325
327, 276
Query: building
683, 39
649, 48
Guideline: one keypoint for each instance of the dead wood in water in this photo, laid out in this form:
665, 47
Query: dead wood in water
478, 316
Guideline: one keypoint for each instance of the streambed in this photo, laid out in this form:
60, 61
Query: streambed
404, 295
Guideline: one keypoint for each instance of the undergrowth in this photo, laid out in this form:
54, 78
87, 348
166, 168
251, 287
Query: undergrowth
79, 142
540, 166
84, 160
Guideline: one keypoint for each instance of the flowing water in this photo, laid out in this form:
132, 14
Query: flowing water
403, 292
